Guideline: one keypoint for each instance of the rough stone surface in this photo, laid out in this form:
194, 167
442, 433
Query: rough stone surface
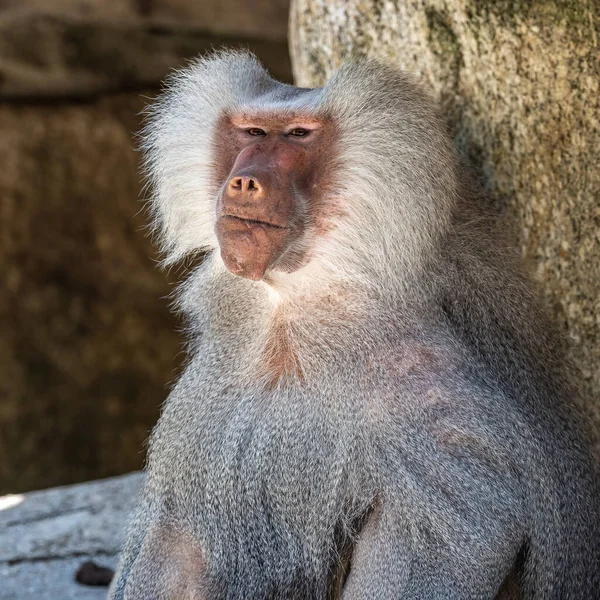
45, 536
87, 344
78, 48
521, 84
259, 19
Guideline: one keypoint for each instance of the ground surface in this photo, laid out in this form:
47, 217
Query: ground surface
45, 537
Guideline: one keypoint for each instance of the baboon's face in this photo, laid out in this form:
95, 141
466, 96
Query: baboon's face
271, 171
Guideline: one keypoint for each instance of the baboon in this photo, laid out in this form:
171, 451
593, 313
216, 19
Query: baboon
374, 405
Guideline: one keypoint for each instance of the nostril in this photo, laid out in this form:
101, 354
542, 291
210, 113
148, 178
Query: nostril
244, 185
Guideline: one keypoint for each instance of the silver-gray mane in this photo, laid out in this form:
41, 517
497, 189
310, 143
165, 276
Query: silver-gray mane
386, 126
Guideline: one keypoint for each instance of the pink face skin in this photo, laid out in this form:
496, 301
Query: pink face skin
271, 171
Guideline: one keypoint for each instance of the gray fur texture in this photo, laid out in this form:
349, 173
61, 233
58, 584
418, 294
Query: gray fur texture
429, 450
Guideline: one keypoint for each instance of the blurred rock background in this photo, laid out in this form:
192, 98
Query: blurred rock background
87, 344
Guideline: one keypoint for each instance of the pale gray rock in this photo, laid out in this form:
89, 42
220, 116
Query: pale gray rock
45, 536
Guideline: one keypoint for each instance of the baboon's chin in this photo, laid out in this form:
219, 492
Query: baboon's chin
249, 248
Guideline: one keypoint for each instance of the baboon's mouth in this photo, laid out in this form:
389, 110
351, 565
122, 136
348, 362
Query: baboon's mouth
253, 221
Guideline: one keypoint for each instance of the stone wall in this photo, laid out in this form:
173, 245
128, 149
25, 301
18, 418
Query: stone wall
78, 48
520, 82
87, 343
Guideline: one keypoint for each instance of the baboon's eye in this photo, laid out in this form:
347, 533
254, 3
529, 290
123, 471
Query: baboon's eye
298, 132
255, 131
